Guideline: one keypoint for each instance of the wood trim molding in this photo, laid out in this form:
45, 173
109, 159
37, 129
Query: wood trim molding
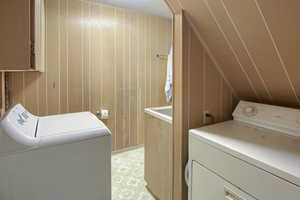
174, 5
39, 35
179, 192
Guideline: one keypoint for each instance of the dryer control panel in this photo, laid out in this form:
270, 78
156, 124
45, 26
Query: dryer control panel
286, 120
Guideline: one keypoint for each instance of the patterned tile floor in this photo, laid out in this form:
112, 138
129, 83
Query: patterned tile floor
128, 176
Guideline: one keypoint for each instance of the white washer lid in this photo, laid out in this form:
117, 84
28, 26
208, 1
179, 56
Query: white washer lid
57, 129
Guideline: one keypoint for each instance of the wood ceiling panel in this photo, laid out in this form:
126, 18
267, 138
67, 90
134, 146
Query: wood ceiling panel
220, 48
245, 60
255, 43
255, 34
282, 18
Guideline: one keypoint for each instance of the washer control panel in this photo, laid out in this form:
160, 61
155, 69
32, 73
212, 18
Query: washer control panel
20, 122
283, 119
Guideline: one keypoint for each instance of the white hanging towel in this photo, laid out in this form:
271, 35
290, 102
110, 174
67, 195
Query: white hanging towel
169, 78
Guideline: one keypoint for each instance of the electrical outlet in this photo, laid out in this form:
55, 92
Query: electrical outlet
208, 118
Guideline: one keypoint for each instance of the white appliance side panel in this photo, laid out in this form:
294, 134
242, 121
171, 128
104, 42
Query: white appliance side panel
74, 171
208, 186
10, 146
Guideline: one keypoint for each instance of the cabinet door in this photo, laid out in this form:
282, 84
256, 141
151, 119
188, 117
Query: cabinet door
15, 34
158, 173
208, 186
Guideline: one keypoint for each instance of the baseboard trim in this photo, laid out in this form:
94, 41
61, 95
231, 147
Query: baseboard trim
127, 149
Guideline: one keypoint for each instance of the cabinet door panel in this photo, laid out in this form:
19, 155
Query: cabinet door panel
158, 160
15, 34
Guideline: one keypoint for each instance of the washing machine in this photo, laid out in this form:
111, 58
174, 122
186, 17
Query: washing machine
57, 157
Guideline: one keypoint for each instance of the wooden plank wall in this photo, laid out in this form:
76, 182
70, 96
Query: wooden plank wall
199, 86
98, 56
207, 90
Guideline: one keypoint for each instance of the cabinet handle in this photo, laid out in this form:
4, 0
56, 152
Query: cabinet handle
229, 195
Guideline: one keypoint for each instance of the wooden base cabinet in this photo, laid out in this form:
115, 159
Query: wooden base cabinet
22, 35
158, 157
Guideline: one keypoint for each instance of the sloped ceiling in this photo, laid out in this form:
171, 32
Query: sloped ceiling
256, 44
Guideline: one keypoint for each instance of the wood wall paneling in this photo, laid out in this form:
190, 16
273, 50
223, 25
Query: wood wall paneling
75, 56
196, 79
212, 89
64, 59
108, 71
52, 55
16, 90
98, 57
31, 91
255, 43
